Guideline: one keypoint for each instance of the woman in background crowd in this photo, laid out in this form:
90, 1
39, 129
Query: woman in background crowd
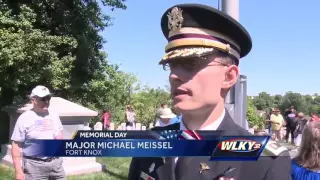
306, 166
300, 124
130, 117
105, 120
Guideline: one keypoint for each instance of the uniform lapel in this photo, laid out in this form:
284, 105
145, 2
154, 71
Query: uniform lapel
216, 168
166, 170
227, 127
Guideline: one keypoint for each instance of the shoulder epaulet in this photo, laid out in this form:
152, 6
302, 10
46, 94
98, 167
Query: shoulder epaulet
273, 149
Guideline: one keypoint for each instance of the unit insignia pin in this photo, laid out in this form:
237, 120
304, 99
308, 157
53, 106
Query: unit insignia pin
203, 167
175, 19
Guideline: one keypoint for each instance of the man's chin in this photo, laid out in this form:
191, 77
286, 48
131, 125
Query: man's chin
185, 106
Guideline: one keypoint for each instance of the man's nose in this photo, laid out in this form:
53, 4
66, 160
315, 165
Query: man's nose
177, 74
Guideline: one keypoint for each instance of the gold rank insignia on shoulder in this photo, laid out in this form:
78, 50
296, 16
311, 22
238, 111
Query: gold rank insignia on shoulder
175, 19
274, 149
203, 167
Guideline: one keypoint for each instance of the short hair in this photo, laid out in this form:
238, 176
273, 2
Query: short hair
300, 114
309, 152
129, 107
276, 110
163, 104
224, 59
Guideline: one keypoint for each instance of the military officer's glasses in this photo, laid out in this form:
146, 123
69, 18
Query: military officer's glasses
191, 64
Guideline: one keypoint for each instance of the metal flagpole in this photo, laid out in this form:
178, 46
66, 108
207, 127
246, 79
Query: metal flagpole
231, 7
236, 100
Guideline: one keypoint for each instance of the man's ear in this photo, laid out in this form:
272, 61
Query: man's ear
231, 76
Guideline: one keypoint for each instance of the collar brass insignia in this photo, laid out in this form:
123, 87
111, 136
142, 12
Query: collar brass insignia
175, 19
203, 167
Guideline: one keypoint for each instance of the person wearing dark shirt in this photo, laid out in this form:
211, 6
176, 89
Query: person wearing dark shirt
301, 123
268, 122
290, 118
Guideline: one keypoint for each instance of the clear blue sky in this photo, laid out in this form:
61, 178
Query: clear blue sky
284, 57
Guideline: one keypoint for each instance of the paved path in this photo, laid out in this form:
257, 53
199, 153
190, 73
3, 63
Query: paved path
292, 148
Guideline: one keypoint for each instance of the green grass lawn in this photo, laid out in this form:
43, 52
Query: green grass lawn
117, 169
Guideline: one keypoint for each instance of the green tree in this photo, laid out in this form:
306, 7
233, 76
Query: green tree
277, 101
315, 106
264, 101
295, 99
57, 44
28, 56
147, 101
252, 116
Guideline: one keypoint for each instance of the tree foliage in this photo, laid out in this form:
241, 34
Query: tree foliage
57, 44
302, 103
252, 115
28, 55
146, 103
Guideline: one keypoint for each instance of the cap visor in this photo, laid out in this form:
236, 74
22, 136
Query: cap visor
44, 95
187, 53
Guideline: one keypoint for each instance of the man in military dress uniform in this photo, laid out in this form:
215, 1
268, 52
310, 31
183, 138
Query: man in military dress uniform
203, 52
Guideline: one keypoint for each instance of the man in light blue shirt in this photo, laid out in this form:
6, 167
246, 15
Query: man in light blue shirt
40, 122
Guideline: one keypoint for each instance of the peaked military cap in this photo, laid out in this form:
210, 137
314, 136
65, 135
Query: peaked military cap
197, 30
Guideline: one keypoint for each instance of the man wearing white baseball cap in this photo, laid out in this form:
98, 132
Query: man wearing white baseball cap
40, 122
165, 116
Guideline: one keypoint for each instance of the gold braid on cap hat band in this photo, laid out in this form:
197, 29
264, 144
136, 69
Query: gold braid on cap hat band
202, 43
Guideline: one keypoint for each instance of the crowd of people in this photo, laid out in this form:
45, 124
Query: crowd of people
288, 126
304, 133
163, 117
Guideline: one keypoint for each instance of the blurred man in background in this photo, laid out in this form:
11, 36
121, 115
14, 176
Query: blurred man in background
290, 118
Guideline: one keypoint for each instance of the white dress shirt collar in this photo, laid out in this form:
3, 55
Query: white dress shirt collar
211, 127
